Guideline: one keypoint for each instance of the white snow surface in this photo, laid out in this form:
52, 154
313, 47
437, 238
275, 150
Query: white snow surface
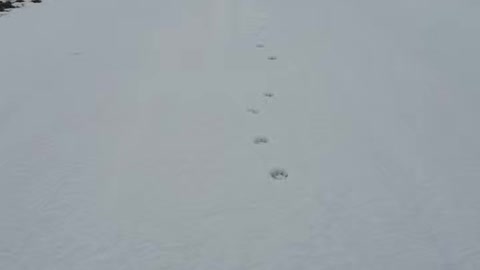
126, 135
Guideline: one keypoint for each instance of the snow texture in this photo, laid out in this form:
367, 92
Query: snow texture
126, 135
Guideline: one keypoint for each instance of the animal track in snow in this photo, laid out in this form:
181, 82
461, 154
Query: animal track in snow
279, 174
253, 111
260, 140
272, 58
268, 94
260, 45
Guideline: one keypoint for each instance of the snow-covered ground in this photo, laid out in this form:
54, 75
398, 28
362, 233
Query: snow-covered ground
129, 135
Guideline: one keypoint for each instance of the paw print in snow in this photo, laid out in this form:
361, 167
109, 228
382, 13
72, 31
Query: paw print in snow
260, 140
279, 174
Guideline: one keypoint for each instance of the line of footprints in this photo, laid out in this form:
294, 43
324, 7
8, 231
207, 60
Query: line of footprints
275, 173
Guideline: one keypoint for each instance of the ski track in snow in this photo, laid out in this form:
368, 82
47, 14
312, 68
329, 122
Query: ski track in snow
155, 137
